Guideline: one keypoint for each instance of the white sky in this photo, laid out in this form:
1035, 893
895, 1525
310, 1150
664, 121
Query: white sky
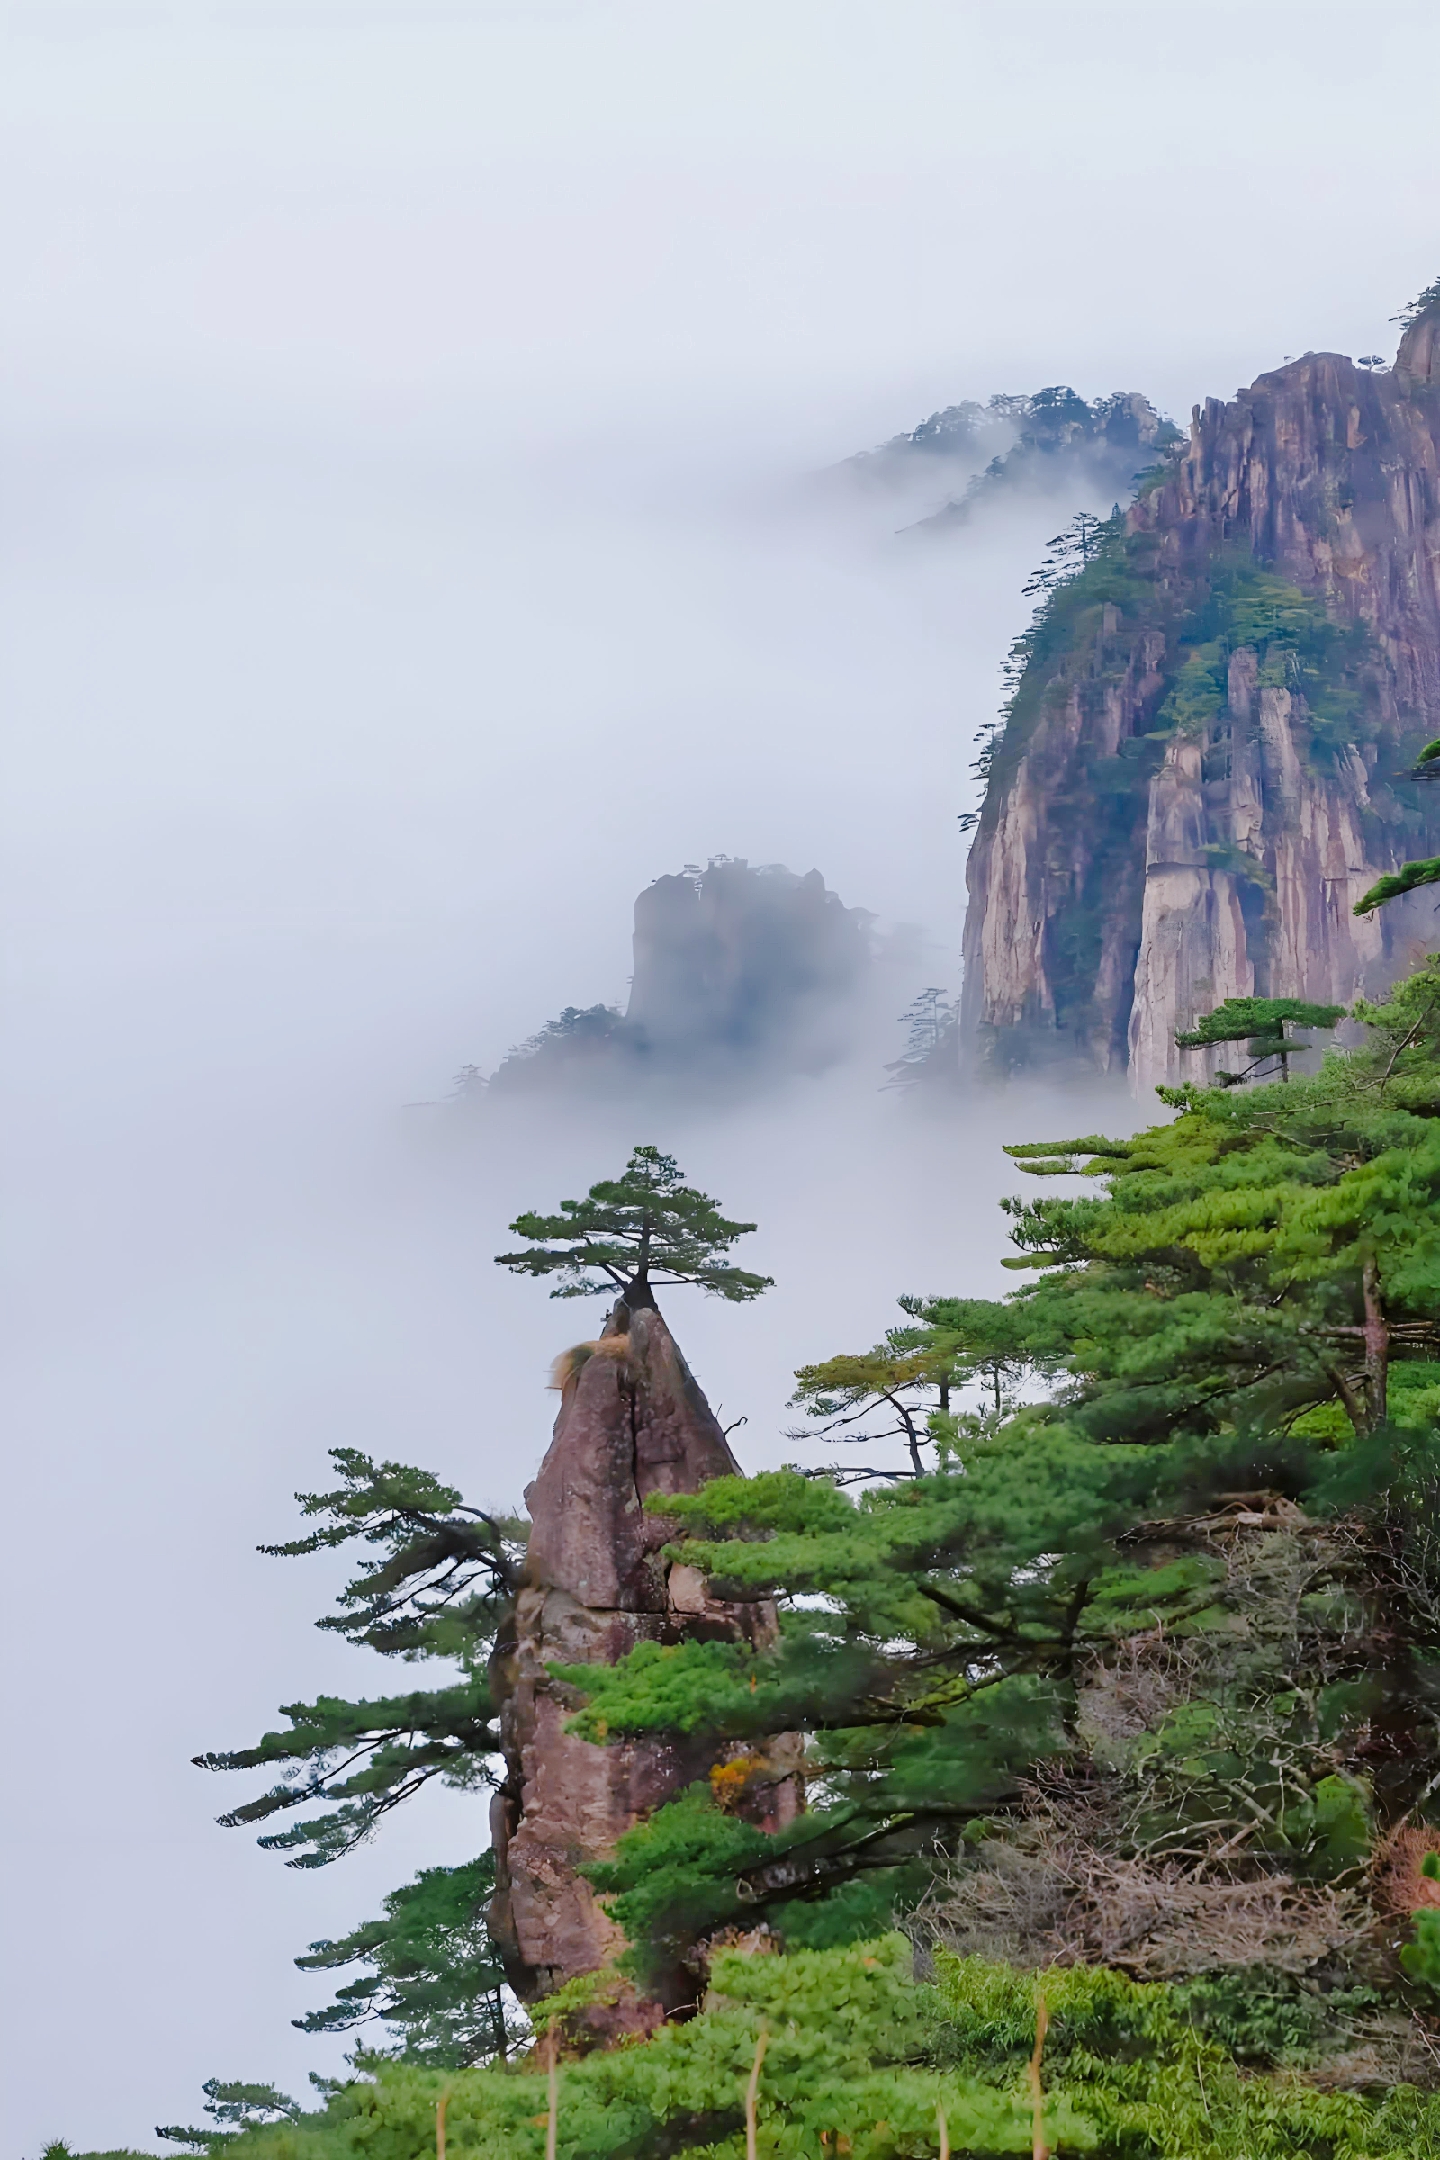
400, 410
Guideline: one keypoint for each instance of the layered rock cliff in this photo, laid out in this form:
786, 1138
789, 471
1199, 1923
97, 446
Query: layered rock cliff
1202, 763
632, 1423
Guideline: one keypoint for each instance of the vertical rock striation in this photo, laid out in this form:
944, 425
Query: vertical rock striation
632, 1423
1202, 768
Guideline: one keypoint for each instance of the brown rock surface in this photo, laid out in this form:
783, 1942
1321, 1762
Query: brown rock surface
1103, 914
632, 1423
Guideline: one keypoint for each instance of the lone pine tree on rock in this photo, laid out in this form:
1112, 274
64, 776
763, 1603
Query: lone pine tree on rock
633, 1427
442, 1580
630, 1232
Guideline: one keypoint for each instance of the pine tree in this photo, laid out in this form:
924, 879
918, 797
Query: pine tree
974, 1343
1068, 551
1411, 875
631, 1232
908, 1386
932, 1023
233, 2106
434, 1976
1228, 1497
443, 1589
1408, 878
868, 1398
1261, 1024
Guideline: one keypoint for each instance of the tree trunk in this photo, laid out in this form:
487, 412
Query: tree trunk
1377, 1347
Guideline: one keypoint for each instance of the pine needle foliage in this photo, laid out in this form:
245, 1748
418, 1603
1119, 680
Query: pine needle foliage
1261, 1024
911, 1386
438, 1585
441, 1588
1231, 1318
429, 1971
233, 2106
1408, 878
859, 2059
1424, 303
630, 1232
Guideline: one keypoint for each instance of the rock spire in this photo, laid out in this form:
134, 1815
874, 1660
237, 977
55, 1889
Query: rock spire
632, 1423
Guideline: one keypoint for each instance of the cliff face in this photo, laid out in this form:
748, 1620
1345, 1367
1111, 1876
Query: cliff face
1202, 767
735, 961
741, 972
632, 1423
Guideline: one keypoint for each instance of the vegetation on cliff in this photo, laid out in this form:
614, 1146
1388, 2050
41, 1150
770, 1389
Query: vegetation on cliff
1116, 621
1120, 1690
847, 2056
1161, 1648
742, 973
1060, 443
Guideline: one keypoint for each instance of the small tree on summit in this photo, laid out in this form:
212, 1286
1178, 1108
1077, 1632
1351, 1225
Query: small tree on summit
1259, 1023
631, 1232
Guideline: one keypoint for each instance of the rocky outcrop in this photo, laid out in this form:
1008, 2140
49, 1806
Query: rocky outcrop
1065, 449
735, 961
1203, 765
742, 973
970, 458
632, 1424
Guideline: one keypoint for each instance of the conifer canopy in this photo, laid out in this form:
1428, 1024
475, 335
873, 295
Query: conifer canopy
630, 1232
1408, 878
1261, 1024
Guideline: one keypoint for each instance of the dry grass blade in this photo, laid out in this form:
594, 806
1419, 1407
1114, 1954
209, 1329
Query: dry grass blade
752, 2096
440, 2106
944, 2133
552, 2079
1039, 2150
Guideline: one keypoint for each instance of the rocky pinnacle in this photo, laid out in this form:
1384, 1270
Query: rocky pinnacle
632, 1423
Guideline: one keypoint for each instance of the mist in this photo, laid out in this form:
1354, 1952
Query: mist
411, 549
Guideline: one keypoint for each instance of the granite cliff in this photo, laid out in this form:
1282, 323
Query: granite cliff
1202, 764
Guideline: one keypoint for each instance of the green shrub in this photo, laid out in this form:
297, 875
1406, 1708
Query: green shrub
860, 2056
